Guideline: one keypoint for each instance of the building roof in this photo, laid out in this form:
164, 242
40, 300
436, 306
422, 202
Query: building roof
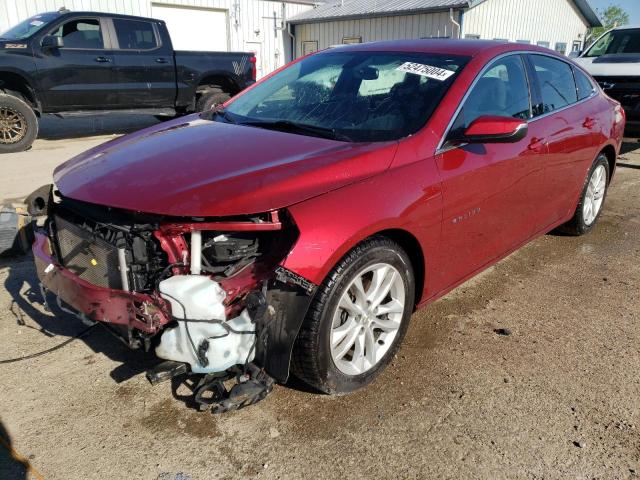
343, 9
340, 9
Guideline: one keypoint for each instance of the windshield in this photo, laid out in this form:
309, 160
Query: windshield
350, 96
28, 27
616, 42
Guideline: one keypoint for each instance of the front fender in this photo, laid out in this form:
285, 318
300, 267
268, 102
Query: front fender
332, 224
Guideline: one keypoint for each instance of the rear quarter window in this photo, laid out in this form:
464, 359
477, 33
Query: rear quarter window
584, 86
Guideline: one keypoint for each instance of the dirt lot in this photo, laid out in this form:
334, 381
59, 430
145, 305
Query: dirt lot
557, 398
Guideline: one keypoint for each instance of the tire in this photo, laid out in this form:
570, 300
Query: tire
314, 361
18, 124
583, 221
210, 98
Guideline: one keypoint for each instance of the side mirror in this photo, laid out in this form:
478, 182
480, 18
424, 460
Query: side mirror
575, 54
51, 42
495, 129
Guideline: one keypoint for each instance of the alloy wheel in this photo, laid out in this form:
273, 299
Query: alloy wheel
13, 126
594, 195
367, 319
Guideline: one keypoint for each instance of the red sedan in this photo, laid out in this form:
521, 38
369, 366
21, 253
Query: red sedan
301, 224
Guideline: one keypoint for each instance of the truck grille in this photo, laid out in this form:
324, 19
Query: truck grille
91, 258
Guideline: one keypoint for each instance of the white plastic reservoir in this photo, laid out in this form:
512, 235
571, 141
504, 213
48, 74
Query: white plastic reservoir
197, 297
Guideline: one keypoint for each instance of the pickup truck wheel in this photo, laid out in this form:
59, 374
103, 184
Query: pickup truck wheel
18, 124
210, 98
357, 319
592, 199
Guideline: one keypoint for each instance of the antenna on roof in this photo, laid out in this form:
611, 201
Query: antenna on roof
63, 9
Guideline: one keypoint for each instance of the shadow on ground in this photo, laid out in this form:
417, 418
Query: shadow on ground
23, 286
55, 128
12, 466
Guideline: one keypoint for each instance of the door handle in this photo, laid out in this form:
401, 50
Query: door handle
161, 60
536, 144
589, 122
102, 59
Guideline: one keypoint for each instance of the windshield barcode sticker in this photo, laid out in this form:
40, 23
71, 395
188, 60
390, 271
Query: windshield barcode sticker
425, 70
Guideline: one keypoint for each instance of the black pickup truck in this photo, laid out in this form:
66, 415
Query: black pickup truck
74, 63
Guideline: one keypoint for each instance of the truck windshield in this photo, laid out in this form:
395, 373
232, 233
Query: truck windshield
616, 42
28, 27
350, 96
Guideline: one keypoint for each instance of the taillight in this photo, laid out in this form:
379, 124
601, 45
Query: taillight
620, 114
254, 69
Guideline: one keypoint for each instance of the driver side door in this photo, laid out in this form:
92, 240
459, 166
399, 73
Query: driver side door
81, 74
489, 189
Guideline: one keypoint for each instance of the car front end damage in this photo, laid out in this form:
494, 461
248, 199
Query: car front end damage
210, 295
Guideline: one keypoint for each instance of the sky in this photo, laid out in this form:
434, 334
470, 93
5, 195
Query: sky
632, 7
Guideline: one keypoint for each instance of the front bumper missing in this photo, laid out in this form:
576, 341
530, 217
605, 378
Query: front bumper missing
132, 310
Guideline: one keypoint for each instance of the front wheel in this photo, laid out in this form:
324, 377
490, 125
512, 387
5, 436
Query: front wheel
357, 319
18, 124
592, 198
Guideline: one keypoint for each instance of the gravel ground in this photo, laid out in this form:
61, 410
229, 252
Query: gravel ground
556, 398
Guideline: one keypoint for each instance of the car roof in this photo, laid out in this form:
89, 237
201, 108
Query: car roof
445, 46
81, 13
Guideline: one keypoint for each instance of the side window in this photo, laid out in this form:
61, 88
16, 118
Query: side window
502, 90
134, 34
557, 86
583, 85
81, 33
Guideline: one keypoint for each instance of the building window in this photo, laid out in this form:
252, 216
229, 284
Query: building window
561, 47
350, 40
309, 47
543, 44
577, 46
472, 36
526, 42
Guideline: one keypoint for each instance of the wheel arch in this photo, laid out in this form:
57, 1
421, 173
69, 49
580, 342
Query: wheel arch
226, 82
410, 244
16, 82
610, 152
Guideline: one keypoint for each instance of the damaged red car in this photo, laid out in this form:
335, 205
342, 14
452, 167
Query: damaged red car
296, 228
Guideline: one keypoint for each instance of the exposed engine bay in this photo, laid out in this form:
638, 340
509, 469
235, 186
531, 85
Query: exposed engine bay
207, 294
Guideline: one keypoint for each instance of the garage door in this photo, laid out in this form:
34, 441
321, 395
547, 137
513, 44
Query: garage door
194, 28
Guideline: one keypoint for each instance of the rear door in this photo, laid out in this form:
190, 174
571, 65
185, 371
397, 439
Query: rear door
80, 75
145, 70
568, 123
489, 190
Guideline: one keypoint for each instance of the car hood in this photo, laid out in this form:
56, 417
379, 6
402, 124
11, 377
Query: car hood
611, 65
196, 167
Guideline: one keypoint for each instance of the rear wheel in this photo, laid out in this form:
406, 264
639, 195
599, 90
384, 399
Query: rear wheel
357, 319
210, 98
18, 124
592, 199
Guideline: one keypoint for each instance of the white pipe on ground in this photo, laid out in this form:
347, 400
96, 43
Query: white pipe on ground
196, 252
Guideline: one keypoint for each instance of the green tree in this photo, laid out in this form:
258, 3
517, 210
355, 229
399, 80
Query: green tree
612, 16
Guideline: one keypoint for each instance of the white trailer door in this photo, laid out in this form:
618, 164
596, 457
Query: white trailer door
194, 28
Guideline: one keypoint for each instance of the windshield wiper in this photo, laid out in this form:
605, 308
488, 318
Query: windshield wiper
224, 114
303, 128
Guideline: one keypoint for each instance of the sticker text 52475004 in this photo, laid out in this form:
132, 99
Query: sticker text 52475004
426, 70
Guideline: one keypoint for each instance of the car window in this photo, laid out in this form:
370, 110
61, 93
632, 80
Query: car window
81, 33
583, 85
28, 27
501, 90
557, 86
135, 34
362, 96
